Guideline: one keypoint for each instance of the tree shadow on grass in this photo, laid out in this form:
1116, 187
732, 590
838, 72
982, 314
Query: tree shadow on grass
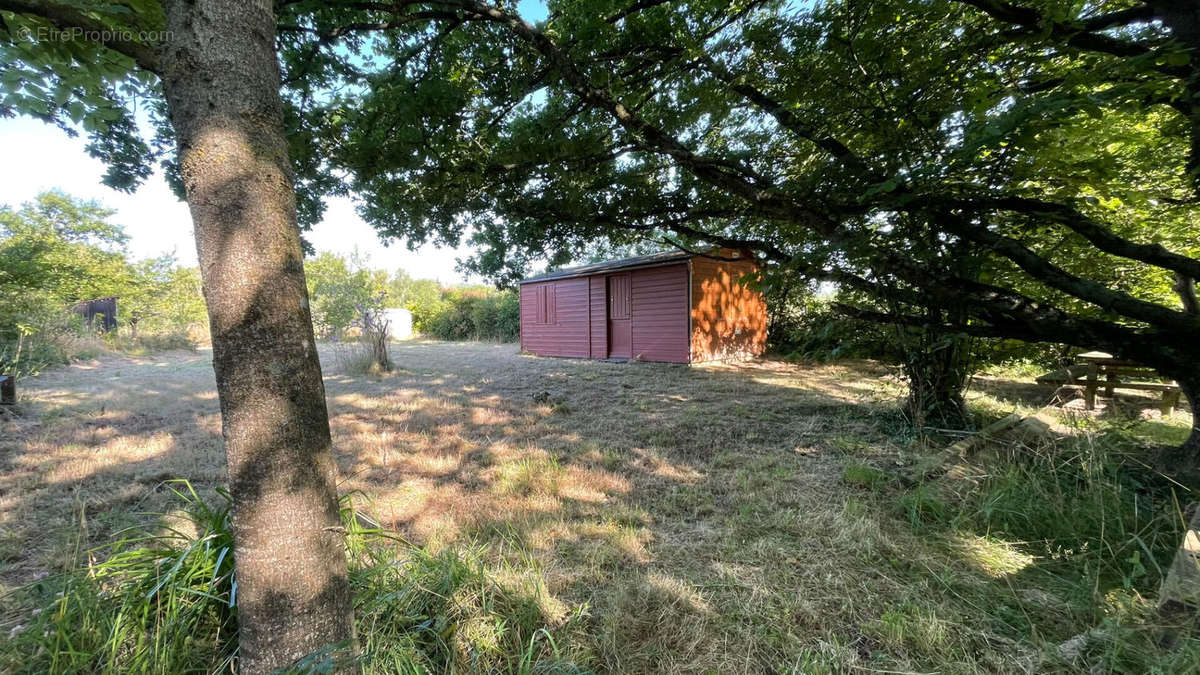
669, 518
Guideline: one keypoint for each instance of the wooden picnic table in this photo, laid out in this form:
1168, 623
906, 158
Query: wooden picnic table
1114, 369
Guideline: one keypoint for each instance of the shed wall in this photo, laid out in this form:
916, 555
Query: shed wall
660, 316
729, 320
568, 334
598, 305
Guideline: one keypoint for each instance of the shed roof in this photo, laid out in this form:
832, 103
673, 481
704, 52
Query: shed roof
652, 260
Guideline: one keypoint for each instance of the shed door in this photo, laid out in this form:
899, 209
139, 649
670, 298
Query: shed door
620, 336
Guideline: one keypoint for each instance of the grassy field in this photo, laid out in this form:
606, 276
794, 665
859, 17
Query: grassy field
733, 519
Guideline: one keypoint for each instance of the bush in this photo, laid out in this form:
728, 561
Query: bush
473, 314
808, 328
43, 338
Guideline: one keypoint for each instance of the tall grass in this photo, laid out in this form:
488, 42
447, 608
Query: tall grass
1089, 506
166, 603
150, 603
1101, 528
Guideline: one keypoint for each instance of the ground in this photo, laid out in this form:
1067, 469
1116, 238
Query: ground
704, 519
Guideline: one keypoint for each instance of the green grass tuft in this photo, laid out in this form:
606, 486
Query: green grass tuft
864, 476
155, 603
165, 603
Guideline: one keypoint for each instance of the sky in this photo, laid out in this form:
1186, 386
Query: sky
39, 157
35, 157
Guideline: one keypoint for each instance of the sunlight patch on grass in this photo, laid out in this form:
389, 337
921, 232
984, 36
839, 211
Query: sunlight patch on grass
994, 557
735, 518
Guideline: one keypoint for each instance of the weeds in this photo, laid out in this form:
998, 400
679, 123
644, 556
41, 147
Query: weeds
166, 603
863, 476
158, 603
361, 357
1094, 532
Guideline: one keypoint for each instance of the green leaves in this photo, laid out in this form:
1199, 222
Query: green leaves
63, 77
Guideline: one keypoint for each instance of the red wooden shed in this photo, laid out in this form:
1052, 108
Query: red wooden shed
675, 306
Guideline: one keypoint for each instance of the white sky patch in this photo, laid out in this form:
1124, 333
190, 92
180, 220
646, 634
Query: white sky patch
36, 157
39, 157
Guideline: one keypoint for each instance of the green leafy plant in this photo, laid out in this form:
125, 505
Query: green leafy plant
166, 602
153, 602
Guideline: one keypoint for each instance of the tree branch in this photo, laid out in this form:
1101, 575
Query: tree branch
403, 19
68, 18
1098, 235
1122, 17
1185, 287
730, 177
1078, 36
790, 121
1055, 277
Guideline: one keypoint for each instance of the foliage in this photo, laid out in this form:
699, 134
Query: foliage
162, 297
153, 603
1007, 170
1003, 170
42, 337
422, 297
809, 328
345, 292
337, 289
476, 314
167, 603
57, 251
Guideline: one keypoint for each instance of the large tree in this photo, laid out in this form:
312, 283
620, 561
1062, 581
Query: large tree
976, 167
211, 66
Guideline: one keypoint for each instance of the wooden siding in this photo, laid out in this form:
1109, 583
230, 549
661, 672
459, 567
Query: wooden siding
599, 318
729, 320
567, 332
660, 318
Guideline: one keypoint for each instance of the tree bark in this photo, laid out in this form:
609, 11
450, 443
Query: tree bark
221, 80
936, 366
1190, 450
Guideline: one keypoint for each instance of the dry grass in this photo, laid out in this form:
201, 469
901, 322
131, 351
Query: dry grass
691, 519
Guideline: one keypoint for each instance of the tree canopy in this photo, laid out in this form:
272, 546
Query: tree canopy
995, 168
1002, 169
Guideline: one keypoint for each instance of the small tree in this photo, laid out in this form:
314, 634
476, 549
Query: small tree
376, 332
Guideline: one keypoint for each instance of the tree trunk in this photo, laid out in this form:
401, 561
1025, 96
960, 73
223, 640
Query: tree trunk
936, 367
1189, 452
221, 81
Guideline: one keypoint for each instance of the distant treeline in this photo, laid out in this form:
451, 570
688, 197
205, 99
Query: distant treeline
56, 252
341, 288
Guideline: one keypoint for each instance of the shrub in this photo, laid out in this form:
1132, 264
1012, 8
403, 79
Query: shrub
808, 328
474, 314
41, 338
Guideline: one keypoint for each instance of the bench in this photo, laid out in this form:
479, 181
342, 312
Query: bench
1113, 369
8, 390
